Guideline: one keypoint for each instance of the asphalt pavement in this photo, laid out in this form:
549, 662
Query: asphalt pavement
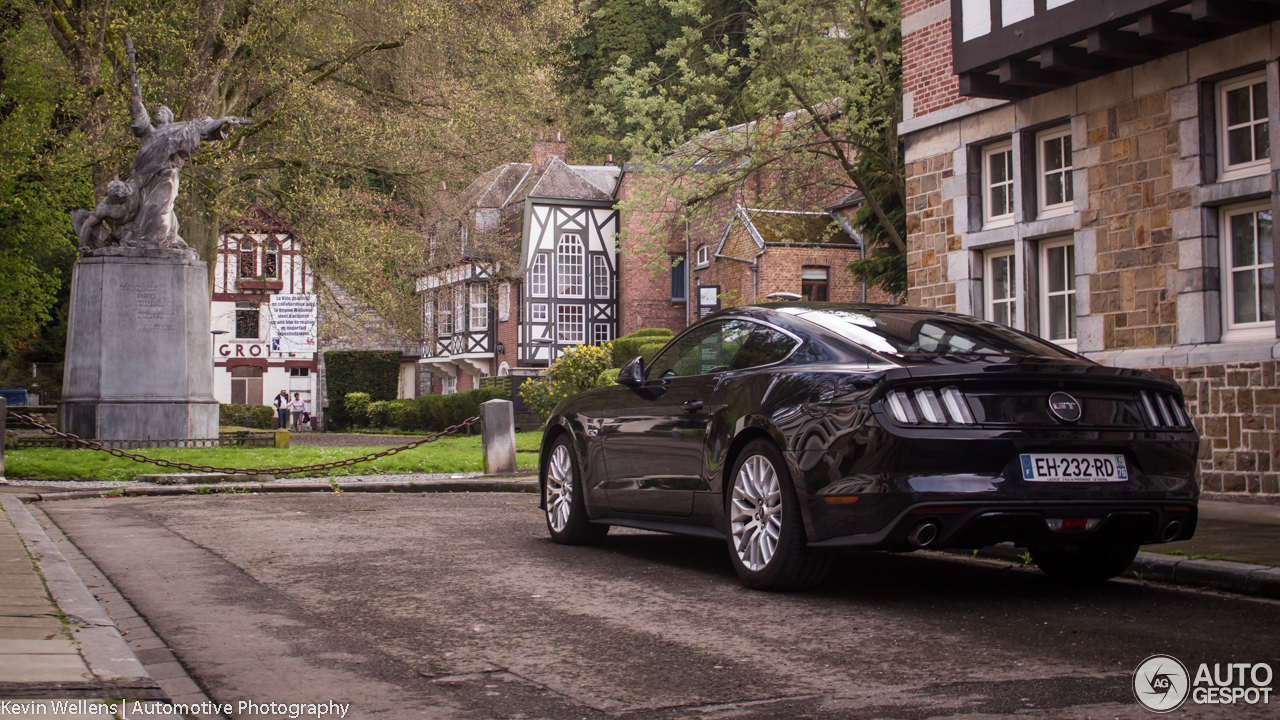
67, 633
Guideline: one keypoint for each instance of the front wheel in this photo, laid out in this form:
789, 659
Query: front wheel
766, 537
567, 519
1088, 563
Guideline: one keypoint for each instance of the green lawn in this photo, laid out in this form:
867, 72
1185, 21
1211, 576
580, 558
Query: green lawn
447, 455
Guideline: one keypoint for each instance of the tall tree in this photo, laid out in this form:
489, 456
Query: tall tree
822, 80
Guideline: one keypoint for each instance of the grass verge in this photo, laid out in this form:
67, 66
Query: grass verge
446, 455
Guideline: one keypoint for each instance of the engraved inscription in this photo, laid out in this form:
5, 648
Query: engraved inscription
152, 311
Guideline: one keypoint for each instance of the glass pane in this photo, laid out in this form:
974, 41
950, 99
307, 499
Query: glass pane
999, 200
1058, 317
1265, 240
998, 172
1239, 146
763, 347
1071, 267
1054, 192
1261, 141
1066, 151
1238, 110
1000, 281
1069, 193
1245, 297
1260, 101
1267, 294
1000, 313
1053, 154
1057, 262
1242, 240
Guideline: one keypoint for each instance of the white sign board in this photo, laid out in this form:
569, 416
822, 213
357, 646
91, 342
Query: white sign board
293, 323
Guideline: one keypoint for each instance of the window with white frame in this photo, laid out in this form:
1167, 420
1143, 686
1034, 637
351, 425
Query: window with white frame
428, 313
444, 313
997, 185
459, 308
569, 266
538, 312
479, 307
601, 333
504, 302
704, 256
1001, 287
1054, 165
1248, 271
271, 260
1244, 147
1058, 291
570, 321
449, 385
538, 276
599, 277
248, 258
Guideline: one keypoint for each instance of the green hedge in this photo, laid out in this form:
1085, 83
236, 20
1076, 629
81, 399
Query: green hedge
258, 417
608, 377
626, 348
432, 413
352, 371
649, 351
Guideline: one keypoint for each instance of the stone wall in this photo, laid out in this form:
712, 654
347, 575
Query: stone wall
931, 232
1236, 407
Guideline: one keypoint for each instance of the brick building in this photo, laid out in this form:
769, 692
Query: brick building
1098, 173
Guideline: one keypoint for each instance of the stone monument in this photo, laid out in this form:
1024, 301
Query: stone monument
139, 360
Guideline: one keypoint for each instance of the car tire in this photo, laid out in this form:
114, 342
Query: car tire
566, 504
1086, 563
765, 533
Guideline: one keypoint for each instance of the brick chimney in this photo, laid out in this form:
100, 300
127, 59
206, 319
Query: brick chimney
544, 150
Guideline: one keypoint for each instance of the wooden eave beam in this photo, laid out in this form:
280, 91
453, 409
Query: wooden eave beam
981, 85
1236, 13
1171, 27
1073, 60
1027, 74
1121, 45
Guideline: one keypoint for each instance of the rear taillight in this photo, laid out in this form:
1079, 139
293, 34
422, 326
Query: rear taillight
1163, 410
923, 406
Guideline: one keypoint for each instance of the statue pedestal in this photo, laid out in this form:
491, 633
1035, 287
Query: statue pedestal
139, 361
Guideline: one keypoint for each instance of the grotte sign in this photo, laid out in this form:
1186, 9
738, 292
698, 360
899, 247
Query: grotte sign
242, 350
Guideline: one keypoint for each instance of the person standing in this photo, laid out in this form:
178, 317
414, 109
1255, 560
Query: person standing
299, 409
281, 404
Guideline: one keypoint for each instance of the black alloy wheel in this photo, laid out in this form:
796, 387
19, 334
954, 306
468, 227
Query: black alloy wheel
567, 519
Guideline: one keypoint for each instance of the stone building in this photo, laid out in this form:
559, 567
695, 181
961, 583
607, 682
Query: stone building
1099, 173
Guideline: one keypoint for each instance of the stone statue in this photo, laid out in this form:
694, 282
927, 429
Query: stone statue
136, 217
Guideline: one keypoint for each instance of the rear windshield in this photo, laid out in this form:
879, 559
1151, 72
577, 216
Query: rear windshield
907, 334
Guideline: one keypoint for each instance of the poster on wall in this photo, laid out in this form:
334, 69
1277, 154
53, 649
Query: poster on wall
293, 323
708, 300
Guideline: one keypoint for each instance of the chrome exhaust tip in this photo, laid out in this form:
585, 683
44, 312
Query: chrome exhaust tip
1171, 530
923, 534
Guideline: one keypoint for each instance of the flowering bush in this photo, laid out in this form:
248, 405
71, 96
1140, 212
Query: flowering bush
576, 370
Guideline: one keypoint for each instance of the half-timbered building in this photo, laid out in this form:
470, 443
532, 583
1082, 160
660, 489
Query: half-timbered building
523, 265
1098, 173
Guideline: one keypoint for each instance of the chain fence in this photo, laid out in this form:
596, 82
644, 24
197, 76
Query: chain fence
29, 421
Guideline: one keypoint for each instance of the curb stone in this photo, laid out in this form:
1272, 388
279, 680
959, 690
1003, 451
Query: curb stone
1241, 578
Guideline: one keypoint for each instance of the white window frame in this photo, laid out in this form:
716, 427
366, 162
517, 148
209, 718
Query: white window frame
539, 312
989, 285
504, 302
459, 308
1253, 167
704, 257
1069, 293
571, 330
1067, 206
570, 267
429, 313
1232, 330
601, 333
444, 314
538, 275
479, 319
1006, 219
449, 385
600, 285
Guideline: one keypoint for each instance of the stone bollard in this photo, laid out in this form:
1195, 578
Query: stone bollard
498, 436
282, 438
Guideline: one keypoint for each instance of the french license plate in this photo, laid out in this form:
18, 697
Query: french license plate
1073, 467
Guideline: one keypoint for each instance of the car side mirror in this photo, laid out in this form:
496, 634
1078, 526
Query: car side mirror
632, 374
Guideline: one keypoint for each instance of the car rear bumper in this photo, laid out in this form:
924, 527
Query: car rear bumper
969, 524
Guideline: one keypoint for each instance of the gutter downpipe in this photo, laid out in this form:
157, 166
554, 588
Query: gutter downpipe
688, 271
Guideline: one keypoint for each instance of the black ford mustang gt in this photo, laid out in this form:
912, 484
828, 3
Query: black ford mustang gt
794, 429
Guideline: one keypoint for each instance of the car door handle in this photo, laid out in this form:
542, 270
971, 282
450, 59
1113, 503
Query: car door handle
691, 405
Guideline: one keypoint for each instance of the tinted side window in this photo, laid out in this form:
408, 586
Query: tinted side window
706, 349
765, 346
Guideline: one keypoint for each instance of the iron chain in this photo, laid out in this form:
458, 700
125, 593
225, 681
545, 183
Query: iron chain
188, 467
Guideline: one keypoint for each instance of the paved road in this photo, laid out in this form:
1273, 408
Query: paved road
457, 606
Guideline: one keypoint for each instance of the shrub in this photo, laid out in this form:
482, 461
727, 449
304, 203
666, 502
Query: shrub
649, 351
628, 347
652, 332
576, 370
348, 371
608, 377
249, 416
355, 407
433, 413
379, 413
